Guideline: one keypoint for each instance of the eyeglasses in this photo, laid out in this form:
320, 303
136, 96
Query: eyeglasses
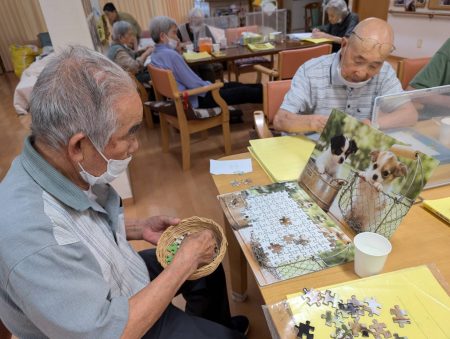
368, 44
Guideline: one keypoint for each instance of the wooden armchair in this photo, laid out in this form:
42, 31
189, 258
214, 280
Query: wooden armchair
144, 98
273, 96
289, 61
165, 88
244, 65
408, 68
313, 15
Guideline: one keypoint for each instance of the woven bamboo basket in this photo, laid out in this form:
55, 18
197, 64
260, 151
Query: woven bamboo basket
189, 226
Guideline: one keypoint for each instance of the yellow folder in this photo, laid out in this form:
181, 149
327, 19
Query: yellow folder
415, 290
194, 56
261, 46
317, 40
440, 207
282, 158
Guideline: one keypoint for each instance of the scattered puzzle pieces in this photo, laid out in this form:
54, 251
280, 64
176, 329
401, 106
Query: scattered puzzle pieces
400, 316
342, 332
312, 296
349, 309
378, 330
356, 327
329, 298
338, 318
373, 306
328, 318
303, 329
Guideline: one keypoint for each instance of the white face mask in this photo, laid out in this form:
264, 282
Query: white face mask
172, 43
349, 83
114, 168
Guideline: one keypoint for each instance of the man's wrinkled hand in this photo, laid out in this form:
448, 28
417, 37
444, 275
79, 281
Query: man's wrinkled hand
318, 122
153, 227
197, 249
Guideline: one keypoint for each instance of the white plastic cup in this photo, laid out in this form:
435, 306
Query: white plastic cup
444, 132
223, 43
216, 48
190, 48
371, 252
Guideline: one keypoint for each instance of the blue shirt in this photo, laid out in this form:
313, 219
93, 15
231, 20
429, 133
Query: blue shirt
167, 58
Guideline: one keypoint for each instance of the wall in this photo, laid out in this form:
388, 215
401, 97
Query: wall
418, 36
66, 22
297, 8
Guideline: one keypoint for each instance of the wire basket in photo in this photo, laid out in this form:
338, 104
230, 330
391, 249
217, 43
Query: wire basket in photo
297, 267
367, 209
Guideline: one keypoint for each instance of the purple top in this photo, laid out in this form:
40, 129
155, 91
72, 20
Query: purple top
167, 58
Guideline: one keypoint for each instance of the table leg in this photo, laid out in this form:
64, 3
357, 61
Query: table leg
238, 266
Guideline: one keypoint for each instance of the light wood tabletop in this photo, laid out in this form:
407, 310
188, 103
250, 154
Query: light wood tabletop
421, 238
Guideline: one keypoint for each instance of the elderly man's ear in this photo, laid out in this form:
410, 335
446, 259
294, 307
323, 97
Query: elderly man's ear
74, 147
344, 42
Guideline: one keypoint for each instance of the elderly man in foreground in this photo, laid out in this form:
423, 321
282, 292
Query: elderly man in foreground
66, 267
349, 80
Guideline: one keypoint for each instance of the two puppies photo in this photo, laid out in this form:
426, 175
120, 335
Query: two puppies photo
377, 183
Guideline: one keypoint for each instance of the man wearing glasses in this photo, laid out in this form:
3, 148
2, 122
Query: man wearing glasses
348, 80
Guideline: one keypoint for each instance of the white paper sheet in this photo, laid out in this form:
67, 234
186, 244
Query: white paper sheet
230, 166
299, 36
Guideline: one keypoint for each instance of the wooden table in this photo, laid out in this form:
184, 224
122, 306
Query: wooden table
421, 238
240, 52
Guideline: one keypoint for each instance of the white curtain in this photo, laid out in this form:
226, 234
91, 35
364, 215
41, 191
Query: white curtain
144, 10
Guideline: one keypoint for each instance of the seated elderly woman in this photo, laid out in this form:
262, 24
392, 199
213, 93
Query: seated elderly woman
190, 32
121, 53
163, 31
341, 23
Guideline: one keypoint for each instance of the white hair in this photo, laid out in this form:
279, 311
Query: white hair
119, 29
196, 13
78, 91
338, 6
160, 24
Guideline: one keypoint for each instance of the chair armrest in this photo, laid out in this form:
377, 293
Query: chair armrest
202, 89
262, 130
265, 70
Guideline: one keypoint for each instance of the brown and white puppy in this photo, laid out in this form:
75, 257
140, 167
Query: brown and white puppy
367, 202
383, 169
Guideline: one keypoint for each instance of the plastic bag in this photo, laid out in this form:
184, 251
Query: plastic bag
22, 57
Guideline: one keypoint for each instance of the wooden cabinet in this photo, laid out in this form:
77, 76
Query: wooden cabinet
370, 8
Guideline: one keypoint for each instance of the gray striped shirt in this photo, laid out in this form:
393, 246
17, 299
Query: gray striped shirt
316, 89
66, 268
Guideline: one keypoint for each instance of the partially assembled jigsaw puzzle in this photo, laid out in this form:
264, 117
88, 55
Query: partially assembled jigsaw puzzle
290, 234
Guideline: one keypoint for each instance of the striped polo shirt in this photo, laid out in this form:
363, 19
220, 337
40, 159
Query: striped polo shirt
66, 268
317, 89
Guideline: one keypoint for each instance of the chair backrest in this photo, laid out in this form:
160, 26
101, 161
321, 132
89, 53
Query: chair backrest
274, 92
408, 68
313, 15
163, 82
289, 61
234, 34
